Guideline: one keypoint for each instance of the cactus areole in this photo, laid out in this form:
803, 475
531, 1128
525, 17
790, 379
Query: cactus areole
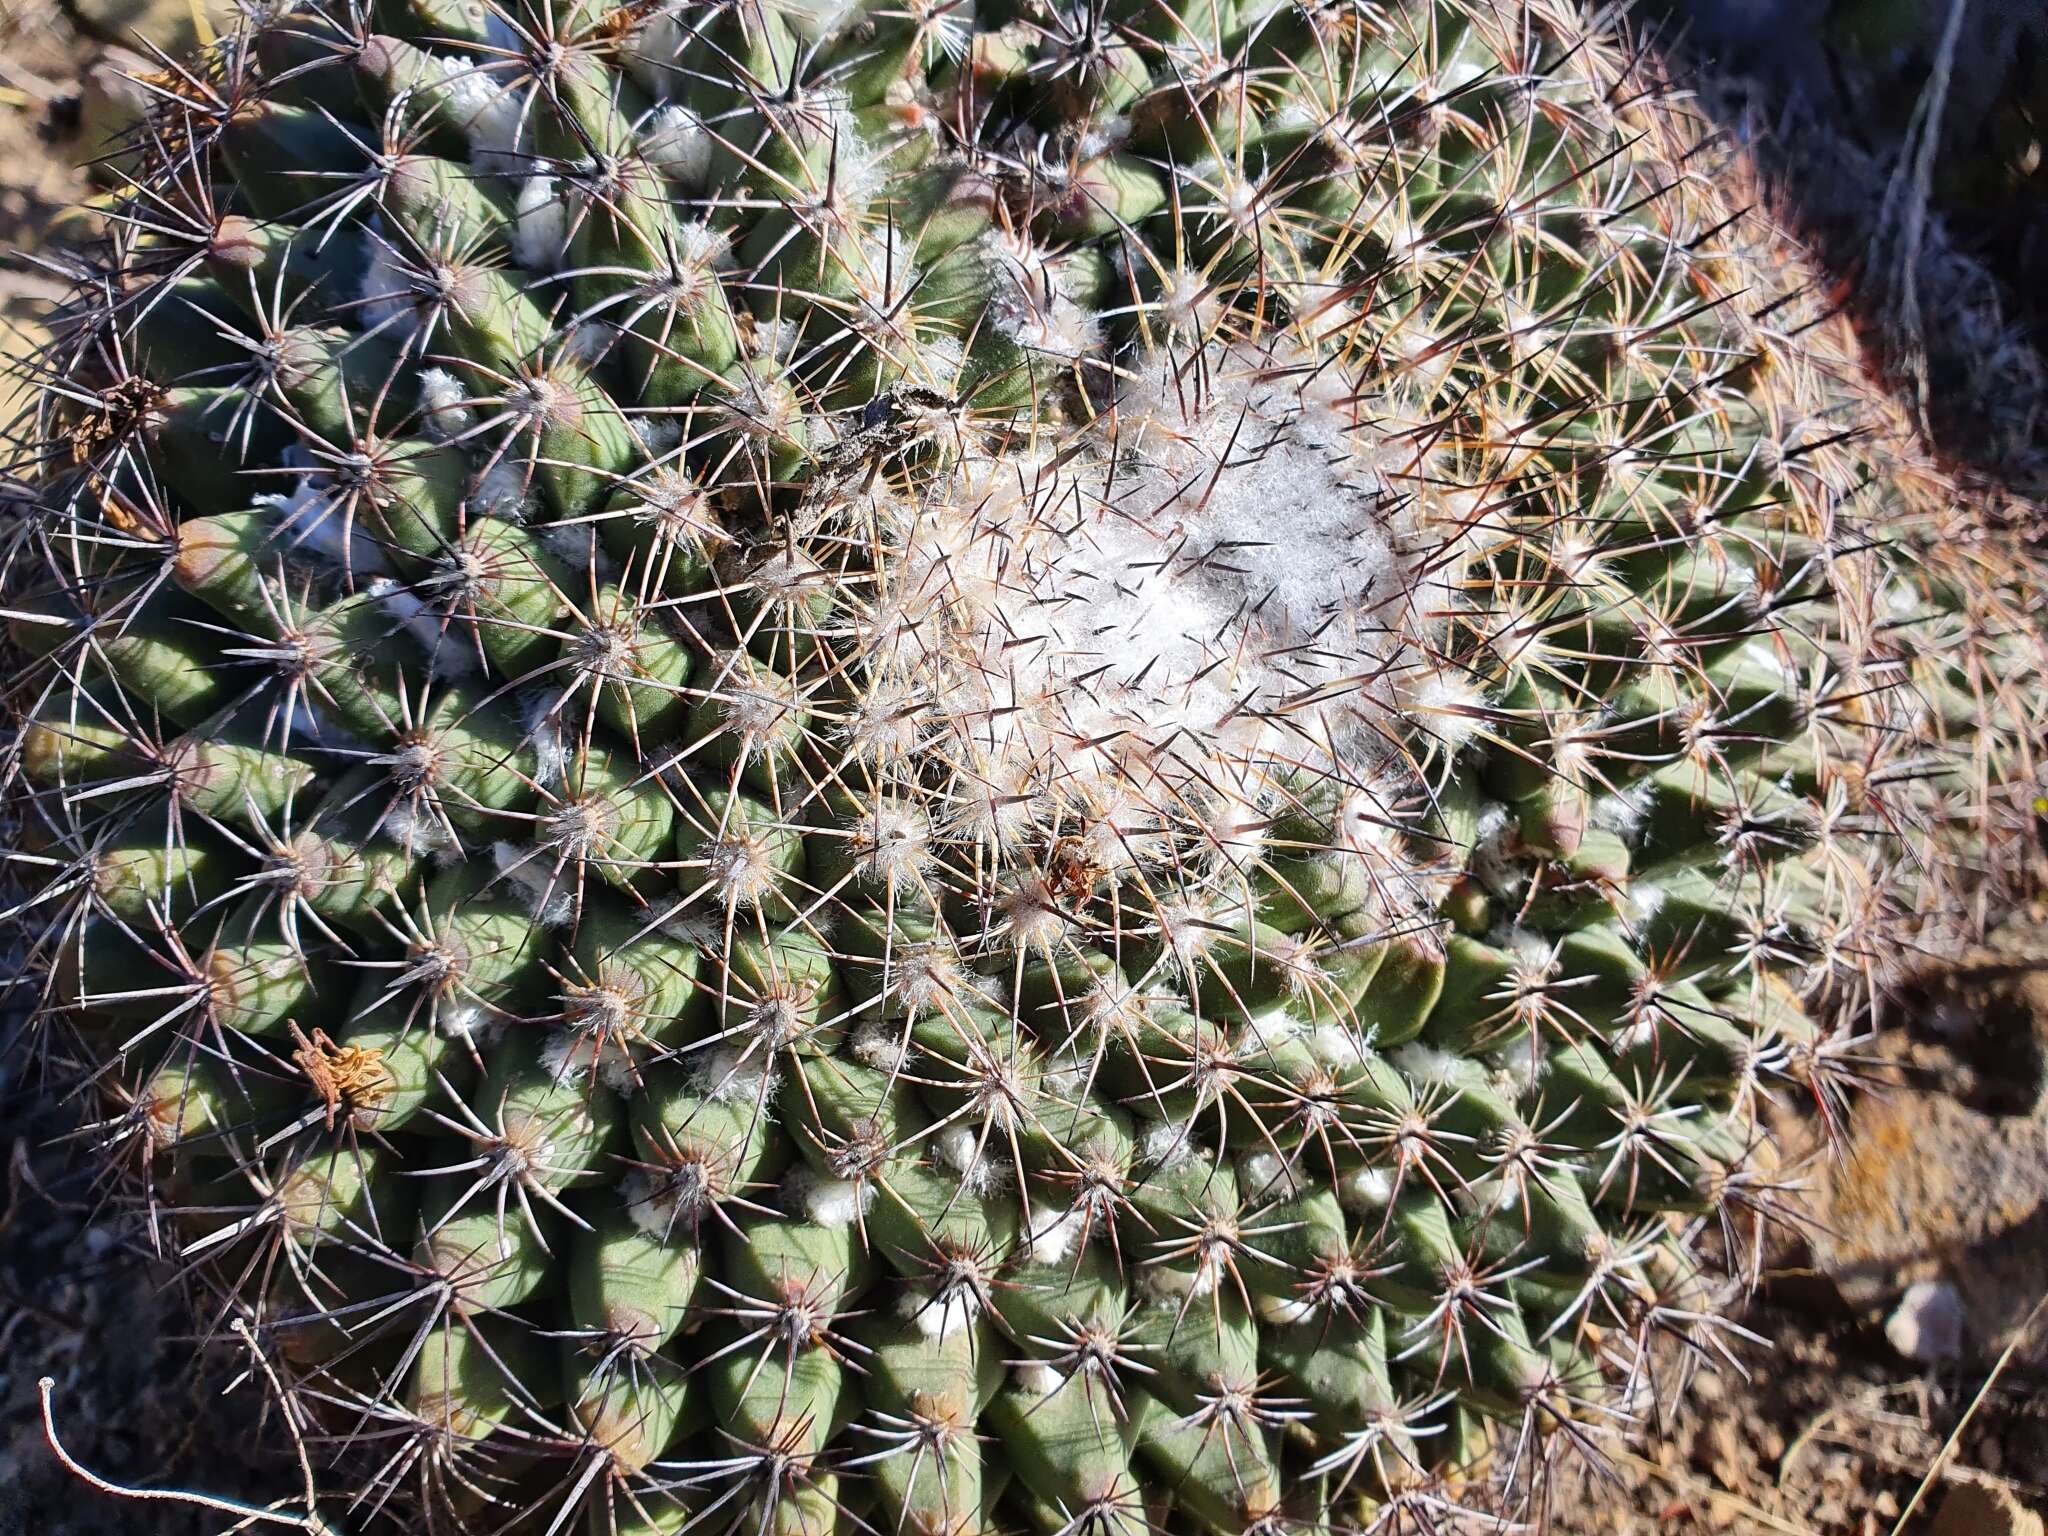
938, 768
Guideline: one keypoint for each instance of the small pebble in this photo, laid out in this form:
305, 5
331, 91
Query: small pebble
1726, 1445
1927, 1324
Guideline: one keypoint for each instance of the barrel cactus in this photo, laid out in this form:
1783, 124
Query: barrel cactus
1035, 768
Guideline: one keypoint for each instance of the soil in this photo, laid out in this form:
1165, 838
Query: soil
1939, 1179
1830, 1432
42, 69
80, 1302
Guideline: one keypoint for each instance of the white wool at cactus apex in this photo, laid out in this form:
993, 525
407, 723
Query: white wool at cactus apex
1020, 769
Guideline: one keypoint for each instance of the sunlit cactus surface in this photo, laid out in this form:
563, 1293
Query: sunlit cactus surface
927, 768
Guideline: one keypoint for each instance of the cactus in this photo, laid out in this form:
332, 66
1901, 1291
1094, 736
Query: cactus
1003, 770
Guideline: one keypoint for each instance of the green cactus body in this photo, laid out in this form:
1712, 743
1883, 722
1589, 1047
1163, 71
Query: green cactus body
1053, 769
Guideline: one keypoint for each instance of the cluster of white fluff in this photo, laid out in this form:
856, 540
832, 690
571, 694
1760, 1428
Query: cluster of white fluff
1029, 300
490, 116
828, 1202
540, 227
1217, 589
315, 522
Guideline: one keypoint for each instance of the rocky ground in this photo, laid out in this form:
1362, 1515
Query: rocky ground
79, 1304
1903, 1387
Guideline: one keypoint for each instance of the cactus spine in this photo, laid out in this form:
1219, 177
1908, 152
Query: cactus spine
1037, 768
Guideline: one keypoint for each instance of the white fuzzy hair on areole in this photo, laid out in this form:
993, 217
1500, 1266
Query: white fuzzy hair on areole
831, 1203
678, 143
489, 112
547, 892
314, 519
505, 490
1056, 1236
389, 294
569, 1055
1216, 588
444, 404
448, 648
540, 225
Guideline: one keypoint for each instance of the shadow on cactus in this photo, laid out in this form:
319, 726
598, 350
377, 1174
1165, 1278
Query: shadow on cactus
1048, 769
